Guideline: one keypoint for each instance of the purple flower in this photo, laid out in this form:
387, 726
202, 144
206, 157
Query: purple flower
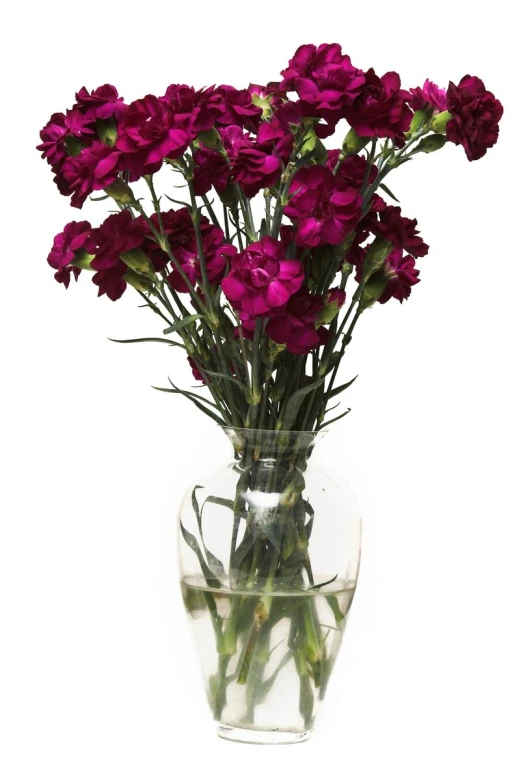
397, 229
261, 279
148, 133
237, 107
325, 80
111, 282
193, 110
102, 103
53, 137
295, 326
252, 166
118, 233
475, 116
75, 237
95, 168
402, 275
429, 96
216, 254
211, 170
381, 109
325, 208
352, 169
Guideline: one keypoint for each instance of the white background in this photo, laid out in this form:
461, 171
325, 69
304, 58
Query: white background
98, 676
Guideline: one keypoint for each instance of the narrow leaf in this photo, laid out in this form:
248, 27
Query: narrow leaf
389, 192
193, 544
295, 401
153, 338
322, 584
341, 388
334, 419
180, 324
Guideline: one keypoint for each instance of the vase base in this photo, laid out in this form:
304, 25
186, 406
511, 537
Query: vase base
261, 736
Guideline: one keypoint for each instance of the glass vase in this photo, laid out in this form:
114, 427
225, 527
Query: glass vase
269, 558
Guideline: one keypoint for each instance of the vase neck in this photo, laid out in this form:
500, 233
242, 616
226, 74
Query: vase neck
272, 445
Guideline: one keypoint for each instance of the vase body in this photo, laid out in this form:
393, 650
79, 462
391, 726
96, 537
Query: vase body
269, 558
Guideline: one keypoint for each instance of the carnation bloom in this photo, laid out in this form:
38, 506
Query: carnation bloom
211, 170
102, 103
402, 275
352, 169
111, 282
251, 165
53, 137
216, 253
75, 237
399, 230
429, 96
325, 208
237, 107
148, 133
324, 78
295, 326
261, 279
381, 109
475, 116
192, 109
118, 233
95, 168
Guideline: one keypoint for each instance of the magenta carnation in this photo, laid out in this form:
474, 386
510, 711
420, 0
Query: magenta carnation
252, 166
325, 80
325, 208
102, 103
295, 326
236, 107
95, 168
352, 169
216, 254
118, 233
475, 116
261, 279
148, 133
402, 275
194, 110
75, 237
399, 230
381, 109
429, 96
211, 170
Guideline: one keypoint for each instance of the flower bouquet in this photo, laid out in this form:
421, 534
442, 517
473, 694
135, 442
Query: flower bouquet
260, 272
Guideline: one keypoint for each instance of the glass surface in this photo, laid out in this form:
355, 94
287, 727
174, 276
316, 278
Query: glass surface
269, 555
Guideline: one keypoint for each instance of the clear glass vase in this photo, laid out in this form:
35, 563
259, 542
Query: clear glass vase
269, 557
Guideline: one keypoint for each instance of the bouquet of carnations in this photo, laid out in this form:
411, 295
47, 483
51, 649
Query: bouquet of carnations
259, 272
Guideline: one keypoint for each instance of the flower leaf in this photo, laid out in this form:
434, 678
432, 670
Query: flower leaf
295, 401
180, 324
389, 192
193, 544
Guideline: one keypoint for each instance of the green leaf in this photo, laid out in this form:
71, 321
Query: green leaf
322, 584
193, 544
389, 192
153, 339
214, 563
295, 401
199, 402
181, 324
341, 388
334, 419
226, 502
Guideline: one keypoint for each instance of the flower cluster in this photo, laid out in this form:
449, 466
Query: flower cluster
237, 289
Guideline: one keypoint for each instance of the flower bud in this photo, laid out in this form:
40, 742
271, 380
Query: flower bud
420, 118
333, 301
438, 123
121, 192
353, 143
